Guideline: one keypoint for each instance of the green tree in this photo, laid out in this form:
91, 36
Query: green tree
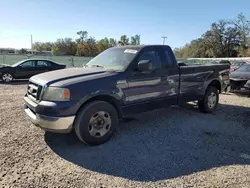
23, 51
223, 39
90, 48
124, 40
103, 44
38, 46
135, 40
42, 46
82, 36
242, 24
112, 42
80, 41
47, 46
64, 46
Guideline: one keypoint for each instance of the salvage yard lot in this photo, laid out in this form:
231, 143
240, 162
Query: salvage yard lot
175, 147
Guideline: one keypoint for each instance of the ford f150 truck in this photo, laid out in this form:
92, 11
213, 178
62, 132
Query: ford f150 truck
119, 82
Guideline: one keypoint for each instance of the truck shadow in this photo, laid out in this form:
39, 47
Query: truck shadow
164, 144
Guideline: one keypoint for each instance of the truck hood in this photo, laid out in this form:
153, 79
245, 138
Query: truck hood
67, 76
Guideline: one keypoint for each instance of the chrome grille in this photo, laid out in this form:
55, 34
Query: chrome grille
34, 91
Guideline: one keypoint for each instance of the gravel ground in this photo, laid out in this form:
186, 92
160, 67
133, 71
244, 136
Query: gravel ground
175, 147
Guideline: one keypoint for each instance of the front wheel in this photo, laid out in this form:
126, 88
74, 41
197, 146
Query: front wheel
210, 100
7, 77
96, 122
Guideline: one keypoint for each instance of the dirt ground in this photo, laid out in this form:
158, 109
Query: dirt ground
175, 147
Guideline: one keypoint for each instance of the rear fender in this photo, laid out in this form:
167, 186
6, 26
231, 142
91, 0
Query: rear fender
215, 83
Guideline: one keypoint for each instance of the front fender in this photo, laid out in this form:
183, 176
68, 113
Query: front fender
115, 96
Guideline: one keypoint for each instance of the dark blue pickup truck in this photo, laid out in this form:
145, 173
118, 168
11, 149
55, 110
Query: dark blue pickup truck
119, 82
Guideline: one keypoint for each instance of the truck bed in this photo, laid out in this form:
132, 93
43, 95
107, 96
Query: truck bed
193, 77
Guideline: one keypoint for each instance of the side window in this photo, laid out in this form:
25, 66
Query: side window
153, 56
43, 63
28, 64
169, 59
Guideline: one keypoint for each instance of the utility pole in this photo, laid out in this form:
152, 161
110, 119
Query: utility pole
31, 40
164, 39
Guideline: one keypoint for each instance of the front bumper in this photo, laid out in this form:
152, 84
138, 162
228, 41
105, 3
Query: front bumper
237, 84
49, 123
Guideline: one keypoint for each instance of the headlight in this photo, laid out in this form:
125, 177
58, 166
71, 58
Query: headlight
56, 94
247, 84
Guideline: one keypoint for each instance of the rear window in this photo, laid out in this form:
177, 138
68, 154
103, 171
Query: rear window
170, 59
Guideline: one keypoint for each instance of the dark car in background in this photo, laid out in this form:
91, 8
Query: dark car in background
240, 78
236, 65
27, 68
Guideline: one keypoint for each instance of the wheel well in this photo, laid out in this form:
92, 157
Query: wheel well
216, 84
106, 98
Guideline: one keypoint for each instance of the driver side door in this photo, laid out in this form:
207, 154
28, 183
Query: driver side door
26, 69
145, 88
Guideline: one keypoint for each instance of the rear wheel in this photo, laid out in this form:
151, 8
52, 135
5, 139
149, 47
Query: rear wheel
96, 122
210, 101
7, 77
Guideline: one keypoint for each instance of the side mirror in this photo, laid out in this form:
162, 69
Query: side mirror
145, 65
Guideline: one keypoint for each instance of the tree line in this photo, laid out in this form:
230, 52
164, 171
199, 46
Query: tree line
84, 45
225, 38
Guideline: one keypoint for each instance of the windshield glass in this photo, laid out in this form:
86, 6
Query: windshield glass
244, 68
116, 59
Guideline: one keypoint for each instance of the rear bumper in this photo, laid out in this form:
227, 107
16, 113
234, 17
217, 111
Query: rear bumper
49, 123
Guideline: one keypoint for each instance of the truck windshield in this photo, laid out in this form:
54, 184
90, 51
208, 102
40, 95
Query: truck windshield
116, 59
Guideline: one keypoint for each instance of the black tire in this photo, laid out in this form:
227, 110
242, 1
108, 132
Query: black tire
84, 116
7, 80
204, 103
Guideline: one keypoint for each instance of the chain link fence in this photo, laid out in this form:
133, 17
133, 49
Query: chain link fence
77, 61
67, 60
210, 60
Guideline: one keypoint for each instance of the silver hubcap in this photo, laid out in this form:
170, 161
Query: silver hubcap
7, 77
212, 100
99, 124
